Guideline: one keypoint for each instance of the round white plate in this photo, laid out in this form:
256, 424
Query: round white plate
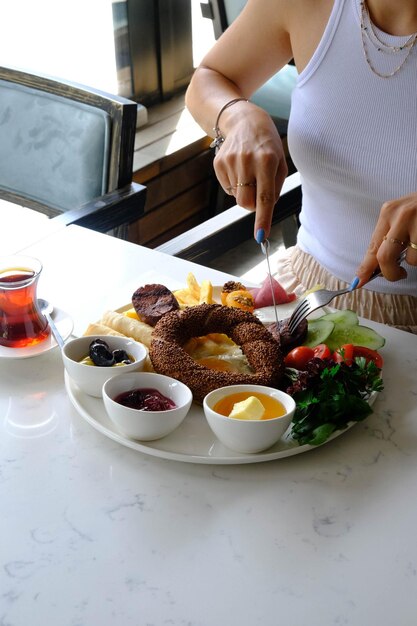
63, 323
192, 442
265, 314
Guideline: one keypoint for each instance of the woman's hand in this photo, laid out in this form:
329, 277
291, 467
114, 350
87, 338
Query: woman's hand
395, 230
250, 163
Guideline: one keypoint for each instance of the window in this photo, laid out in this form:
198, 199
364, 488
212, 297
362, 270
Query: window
154, 50
140, 49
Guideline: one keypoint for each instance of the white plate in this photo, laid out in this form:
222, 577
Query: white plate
265, 314
63, 323
192, 442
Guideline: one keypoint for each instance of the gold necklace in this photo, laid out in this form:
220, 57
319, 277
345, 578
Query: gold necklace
368, 33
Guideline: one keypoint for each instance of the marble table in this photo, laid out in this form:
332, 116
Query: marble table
21, 226
94, 533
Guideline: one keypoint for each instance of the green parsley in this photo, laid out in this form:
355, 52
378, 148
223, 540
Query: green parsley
330, 396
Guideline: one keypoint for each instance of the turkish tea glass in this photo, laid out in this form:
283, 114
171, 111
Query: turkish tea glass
21, 321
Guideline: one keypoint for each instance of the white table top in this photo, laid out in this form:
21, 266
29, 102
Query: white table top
94, 533
21, 226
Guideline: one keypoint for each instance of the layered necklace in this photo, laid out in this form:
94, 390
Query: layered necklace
371, 40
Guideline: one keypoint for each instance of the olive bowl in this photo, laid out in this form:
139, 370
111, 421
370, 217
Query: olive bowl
91, 378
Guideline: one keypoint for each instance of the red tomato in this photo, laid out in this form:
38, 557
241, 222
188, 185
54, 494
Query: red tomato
348, 352
369, 355
344, 354
299, 357
322, 351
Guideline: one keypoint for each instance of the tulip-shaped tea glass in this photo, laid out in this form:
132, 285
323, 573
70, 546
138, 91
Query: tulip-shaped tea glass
21, 321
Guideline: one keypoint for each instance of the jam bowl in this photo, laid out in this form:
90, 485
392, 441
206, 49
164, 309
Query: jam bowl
90, 377
153, 406
243, 431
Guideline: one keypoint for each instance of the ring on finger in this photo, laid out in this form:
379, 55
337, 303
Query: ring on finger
397, 241
412, 245
245, 184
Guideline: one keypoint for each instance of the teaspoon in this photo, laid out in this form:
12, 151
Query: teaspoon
46, 309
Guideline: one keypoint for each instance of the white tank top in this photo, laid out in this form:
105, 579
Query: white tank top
353, 138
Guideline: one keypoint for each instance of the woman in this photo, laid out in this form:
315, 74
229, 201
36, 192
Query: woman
352, 135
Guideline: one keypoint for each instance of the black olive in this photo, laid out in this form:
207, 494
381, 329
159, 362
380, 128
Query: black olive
101, 355
101, 342
121, 356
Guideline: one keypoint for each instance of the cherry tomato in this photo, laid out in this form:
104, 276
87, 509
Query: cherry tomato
348, 352
322, 351
344, 354
369, 355
299, 357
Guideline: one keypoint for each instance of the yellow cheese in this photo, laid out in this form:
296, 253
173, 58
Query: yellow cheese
249, 409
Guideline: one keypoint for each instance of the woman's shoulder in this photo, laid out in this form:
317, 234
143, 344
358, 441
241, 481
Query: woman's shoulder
306, 22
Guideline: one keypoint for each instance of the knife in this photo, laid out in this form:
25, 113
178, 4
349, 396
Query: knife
265, 250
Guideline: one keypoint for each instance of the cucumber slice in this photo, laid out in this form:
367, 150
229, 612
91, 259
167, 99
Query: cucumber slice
319, 331
340, 327
345, 317
355, 334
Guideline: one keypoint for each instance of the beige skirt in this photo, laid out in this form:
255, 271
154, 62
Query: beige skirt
297, 271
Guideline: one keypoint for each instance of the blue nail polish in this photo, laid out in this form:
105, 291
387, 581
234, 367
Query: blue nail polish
260, 235
354, 283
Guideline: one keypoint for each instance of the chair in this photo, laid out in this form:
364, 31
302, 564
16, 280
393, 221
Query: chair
67, 151
275, 95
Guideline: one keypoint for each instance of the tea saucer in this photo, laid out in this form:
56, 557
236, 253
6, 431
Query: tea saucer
64, 324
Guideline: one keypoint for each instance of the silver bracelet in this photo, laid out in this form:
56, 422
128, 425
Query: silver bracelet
219, 138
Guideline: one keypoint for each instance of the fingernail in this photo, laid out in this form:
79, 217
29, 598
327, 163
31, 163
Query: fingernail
354, 283
260, 235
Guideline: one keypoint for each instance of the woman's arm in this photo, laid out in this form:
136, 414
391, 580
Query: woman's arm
252, 49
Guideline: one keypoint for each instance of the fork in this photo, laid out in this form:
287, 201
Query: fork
317, 299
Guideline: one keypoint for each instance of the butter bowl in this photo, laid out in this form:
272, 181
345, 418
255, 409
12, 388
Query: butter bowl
248, 436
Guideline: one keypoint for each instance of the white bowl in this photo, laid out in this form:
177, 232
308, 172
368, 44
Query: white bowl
91, 378
146, 425
248, 436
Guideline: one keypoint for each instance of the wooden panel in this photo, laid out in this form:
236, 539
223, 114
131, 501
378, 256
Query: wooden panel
174, 161
178, 180
158, 223
191, 222
173, 155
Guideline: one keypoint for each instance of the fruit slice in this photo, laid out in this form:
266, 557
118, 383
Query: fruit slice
345, 317
346, 329
357, 335
240, 299
319, 331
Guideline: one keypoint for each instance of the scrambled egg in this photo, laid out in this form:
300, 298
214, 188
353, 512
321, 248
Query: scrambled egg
219, 352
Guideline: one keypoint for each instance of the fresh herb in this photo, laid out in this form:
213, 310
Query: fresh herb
329, 396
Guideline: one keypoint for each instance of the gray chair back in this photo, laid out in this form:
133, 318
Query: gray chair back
61, 144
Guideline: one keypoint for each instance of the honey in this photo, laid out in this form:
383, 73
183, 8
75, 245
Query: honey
273, 407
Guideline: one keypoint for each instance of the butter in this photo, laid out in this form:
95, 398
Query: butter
249, 409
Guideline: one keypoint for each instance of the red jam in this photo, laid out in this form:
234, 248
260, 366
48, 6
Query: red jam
145, 400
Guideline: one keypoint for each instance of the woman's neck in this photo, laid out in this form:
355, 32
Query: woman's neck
396, 18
